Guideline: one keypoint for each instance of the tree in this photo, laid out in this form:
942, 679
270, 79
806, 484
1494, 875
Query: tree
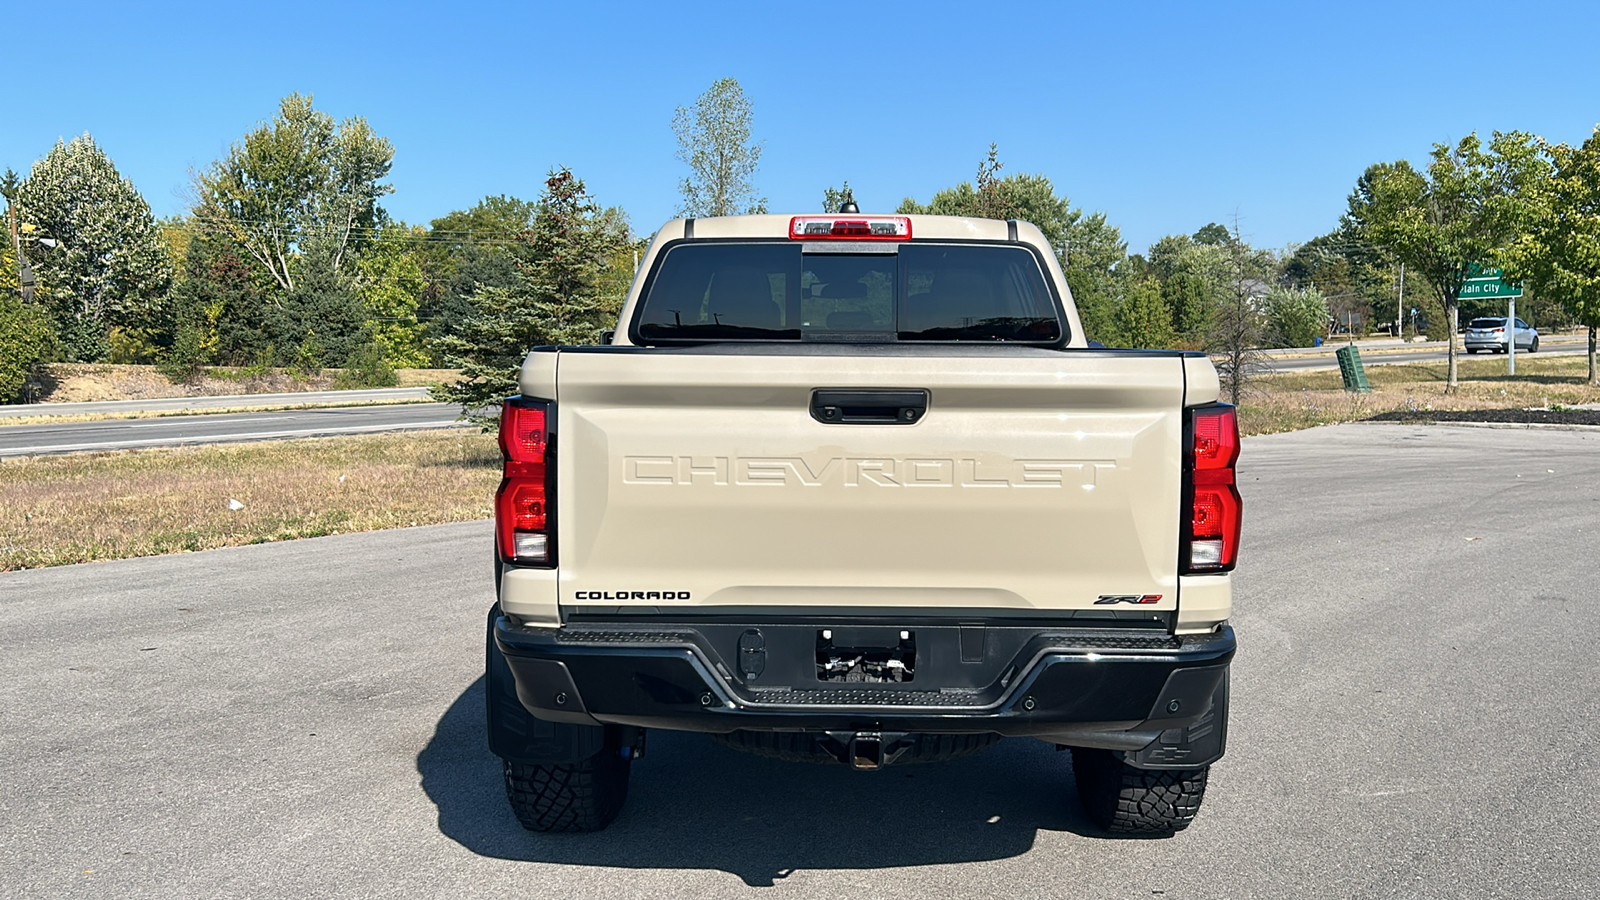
1234, 335
1088, 247
1213, 235
391, 283
96, 245
1194, 279
26, 340
1463, 212
557, 298
466, 251
296, 181
1143, 318
834, 199
714, 142
1296, 316
1559, 253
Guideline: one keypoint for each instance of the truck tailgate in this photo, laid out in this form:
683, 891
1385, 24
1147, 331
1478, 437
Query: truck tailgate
1035, 480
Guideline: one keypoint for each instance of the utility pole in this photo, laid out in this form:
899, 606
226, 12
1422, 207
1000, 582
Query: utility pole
24, 271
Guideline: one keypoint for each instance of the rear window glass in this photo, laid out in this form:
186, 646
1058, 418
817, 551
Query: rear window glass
907, 292
1486, 323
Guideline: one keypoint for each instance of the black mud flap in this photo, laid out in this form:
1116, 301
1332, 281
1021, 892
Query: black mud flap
517, 736
1200, 743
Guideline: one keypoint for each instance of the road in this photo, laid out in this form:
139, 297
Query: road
1412, 718
1428, 354
172, 431
225, 401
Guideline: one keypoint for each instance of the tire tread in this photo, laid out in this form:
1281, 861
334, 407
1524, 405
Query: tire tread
1123, 799
583, 796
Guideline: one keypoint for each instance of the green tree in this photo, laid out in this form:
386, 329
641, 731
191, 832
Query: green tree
1213, 235
1198, 277
468, 250
391, 282
1143, 317
1192, 299
556, 300
295, 182
834, 199
1088, 248
1296, 317
1559, 252
1464, 211
99, 250
26, 340
216, 308
714, 142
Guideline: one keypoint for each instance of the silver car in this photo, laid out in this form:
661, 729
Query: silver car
1490, 334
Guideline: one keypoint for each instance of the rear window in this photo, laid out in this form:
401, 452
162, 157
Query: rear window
1486, 323
803, 292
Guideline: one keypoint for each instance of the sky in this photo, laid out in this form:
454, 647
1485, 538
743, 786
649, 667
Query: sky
1165, 116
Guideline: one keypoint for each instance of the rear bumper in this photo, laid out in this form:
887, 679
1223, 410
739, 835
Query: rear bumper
1159, 697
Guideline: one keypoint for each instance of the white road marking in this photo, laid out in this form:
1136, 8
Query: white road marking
227, 438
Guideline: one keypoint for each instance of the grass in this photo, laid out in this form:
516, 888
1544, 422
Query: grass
67, 382
77, 508
1296, 400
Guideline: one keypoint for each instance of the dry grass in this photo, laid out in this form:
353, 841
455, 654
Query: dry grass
1292, 401
70, 382
69, 509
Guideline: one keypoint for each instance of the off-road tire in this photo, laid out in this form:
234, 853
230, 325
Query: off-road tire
1125, 800
796, 746
582, 796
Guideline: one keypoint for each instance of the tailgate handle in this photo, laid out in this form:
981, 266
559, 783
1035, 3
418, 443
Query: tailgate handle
887, 407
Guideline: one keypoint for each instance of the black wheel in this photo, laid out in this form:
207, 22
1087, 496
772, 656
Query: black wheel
796, 746
582, 796
1534, 347
1126, 800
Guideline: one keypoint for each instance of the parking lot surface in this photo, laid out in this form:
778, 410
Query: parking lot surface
1412, 717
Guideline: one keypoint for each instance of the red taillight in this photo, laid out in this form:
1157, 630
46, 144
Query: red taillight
521, 506
1214, 510
850, 228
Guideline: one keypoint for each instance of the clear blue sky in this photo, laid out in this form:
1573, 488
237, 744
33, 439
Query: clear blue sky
1166, 116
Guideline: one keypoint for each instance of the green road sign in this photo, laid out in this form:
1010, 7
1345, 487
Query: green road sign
1483, 283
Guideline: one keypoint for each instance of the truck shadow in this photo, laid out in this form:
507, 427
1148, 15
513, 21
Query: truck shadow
695, 804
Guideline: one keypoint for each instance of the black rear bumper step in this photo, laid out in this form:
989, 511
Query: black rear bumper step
1092, 687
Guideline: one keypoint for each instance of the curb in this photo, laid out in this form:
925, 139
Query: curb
1527, 426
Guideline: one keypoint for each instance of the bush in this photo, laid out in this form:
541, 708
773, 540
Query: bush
1296, 317
186, 358
26, 340
367, 369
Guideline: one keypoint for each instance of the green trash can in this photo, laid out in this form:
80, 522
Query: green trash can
1355, 377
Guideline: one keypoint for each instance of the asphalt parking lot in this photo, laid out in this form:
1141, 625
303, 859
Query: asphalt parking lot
1412, 717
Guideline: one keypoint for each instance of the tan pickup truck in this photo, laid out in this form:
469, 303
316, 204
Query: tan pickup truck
856, 488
